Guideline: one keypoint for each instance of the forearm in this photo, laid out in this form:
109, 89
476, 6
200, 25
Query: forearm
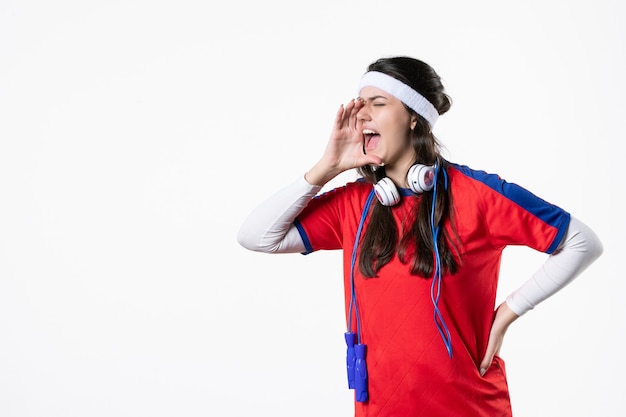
269, 227
579, 249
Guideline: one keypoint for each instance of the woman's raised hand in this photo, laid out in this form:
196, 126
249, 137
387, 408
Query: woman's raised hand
345, 148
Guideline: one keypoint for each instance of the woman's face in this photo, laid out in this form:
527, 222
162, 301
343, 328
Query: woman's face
386, 128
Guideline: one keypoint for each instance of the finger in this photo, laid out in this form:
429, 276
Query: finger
350, 107
339, 117
486, 362
492, 347
359, 128
357, 104
371, 160
348, 115
359, 131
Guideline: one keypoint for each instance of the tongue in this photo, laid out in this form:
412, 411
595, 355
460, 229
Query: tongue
372, 142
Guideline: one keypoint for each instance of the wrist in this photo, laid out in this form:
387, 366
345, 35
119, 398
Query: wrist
320, 175
505, 316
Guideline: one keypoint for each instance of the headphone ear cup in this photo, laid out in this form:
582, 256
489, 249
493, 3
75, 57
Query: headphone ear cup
421, 178
386, 192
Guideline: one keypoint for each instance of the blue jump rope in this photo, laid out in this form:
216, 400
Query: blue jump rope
356, 350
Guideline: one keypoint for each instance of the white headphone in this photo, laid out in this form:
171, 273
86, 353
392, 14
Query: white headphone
420, 177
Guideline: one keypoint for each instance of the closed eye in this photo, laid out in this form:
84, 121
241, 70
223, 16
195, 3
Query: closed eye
377, 101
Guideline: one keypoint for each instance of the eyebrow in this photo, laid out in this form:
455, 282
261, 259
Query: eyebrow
374, 98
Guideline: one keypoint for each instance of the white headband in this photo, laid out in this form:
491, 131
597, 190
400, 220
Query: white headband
402, 92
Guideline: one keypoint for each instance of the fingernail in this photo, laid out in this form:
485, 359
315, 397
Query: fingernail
482, 371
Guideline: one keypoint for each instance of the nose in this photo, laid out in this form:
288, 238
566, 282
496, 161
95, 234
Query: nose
363, 113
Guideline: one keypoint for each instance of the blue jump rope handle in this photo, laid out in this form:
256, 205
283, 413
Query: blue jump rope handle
360, 373
350, 358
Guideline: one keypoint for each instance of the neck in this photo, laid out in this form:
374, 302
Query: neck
398, 173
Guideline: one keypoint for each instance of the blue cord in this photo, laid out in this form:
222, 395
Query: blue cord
435, 288
353, 303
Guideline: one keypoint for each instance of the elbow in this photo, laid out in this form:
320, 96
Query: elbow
591, 247
586, 241
245, 240
252, 242
597, 249
594, 246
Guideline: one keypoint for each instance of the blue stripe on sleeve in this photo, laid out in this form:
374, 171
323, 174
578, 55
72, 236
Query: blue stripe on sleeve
549, 213
305, 238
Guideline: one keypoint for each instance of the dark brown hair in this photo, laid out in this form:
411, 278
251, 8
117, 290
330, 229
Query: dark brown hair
415, 245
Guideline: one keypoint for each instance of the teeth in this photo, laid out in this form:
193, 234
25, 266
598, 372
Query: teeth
368, 132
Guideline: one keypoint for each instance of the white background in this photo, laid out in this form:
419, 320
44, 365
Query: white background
136, 135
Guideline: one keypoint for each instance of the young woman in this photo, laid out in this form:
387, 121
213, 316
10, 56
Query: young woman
422, 240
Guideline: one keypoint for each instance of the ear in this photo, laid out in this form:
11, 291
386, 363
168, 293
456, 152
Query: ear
413, 122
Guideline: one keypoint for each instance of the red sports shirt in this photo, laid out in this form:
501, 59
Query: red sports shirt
410, 373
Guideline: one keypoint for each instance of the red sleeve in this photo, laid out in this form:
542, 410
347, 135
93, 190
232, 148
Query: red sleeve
331, 218
510, 214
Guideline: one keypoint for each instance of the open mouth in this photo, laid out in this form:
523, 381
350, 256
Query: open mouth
371, 139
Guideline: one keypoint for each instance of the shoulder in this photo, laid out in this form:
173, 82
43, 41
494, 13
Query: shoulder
341, 200
467, 180
465, 173
495, 197
351, 190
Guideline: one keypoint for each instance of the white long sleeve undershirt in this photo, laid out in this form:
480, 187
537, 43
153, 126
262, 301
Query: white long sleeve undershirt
578, 249
269, 228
